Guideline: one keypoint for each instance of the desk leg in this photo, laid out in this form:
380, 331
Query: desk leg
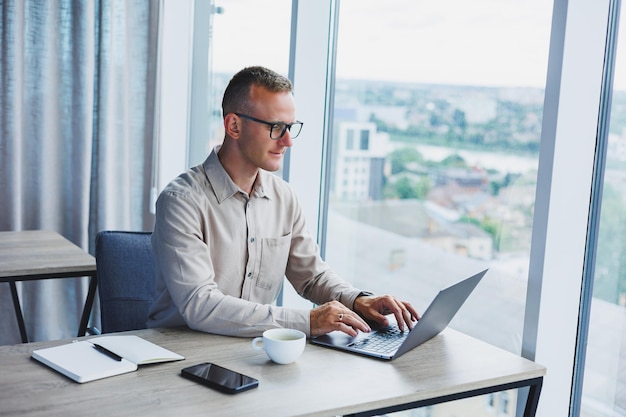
533, 398
18, 312
531, 401
91, 294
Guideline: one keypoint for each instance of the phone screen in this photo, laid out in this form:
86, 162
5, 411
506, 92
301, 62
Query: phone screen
220, 378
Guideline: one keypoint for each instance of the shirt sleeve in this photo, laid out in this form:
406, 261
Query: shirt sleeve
186, 279
309, 274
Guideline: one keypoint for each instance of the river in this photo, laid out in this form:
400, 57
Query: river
489, 160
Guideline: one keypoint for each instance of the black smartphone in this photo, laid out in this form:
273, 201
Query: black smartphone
219, 378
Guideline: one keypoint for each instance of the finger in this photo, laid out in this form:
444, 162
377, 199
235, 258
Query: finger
409, 315
414, 314
349, 330
342, 324
408, 318
402, 315
353, 320
378, 317
356, 321
400, 319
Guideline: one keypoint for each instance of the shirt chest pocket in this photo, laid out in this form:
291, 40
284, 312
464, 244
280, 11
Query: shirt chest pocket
273, 261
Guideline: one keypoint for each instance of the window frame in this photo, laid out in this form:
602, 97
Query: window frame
604, 119
567, 156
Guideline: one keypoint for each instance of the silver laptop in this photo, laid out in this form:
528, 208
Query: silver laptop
389, 342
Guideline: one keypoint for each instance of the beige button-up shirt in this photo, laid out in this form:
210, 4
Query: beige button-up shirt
221, 255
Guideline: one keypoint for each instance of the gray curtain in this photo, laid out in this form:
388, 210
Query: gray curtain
77, 104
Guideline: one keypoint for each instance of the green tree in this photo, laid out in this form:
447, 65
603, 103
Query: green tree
400, 158
408, 188
404, 188
458, 117
454, 161
422, 188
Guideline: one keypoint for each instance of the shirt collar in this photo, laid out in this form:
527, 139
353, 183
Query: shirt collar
223, 186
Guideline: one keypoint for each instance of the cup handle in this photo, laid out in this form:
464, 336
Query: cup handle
255, 343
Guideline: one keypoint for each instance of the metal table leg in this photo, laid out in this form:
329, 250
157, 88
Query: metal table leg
91, 294
18, 312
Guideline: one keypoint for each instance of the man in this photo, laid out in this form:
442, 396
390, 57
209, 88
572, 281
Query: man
228, 231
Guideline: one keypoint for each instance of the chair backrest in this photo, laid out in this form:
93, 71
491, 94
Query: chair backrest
126, 279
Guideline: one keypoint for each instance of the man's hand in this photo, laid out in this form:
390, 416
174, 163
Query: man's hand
335, 316
377, 307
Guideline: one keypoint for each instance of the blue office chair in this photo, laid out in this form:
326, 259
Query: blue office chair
126, 279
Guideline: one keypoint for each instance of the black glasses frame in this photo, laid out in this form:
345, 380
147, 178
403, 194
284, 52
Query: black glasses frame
276, 126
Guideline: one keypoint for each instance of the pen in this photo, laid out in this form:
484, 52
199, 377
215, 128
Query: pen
107, 352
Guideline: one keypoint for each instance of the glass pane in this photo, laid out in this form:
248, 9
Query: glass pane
244, 33
604, 385
437, 123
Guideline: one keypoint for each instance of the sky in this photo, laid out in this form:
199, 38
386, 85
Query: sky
482, 42
478, 42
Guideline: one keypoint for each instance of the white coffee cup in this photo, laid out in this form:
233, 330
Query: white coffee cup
283, 346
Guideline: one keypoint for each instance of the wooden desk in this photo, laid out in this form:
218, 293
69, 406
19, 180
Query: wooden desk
322, 382
39, 254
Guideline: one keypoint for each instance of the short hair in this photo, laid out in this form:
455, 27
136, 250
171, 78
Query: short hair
237, 94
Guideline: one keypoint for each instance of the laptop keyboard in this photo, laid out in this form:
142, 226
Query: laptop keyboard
383, 341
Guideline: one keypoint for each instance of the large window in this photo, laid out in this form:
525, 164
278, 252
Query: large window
435, 149
437, 127
604, 386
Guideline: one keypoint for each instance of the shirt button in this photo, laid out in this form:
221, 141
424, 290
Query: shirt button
251, 240
249, 274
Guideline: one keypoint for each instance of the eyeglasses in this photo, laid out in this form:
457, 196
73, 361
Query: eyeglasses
277, 129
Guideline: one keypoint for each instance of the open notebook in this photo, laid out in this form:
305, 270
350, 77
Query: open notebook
103, 356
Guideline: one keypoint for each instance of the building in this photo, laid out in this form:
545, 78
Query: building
359, 171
